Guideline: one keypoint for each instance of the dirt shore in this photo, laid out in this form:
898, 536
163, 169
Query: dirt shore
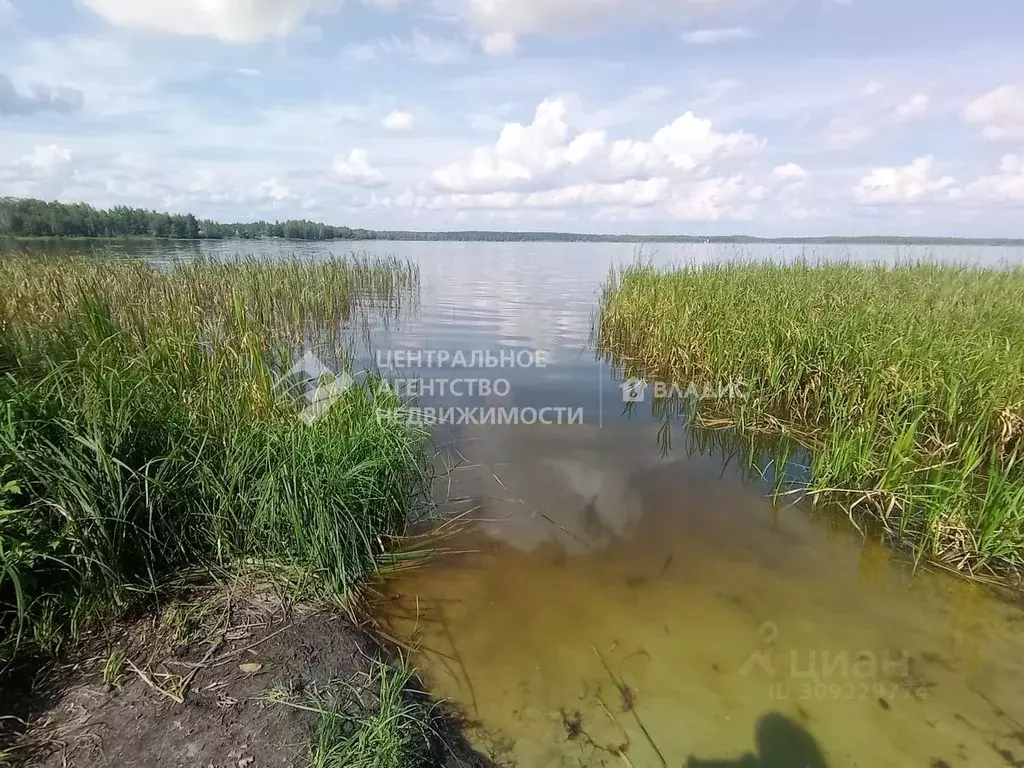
206, 684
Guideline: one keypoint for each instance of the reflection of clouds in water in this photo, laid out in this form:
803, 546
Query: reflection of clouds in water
547, 484
613, 505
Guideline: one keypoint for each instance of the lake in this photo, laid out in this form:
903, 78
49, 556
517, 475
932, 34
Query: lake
624, 590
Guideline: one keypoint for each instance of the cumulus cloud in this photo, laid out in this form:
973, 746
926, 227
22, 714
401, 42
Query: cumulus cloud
40, 98
1006, 186
789, 172
356, 169
272, 189
724, 197
907, 183
545, 153
715, 36
237, 21
398, 120
547, 166
690, 142
913, 107
1000, 113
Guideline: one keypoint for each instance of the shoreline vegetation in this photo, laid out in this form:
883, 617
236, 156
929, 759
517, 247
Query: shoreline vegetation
30, 219
146, 447
905, 385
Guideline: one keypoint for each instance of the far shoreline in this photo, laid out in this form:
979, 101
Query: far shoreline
556, 237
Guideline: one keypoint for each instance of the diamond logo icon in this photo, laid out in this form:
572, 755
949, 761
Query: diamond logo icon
322, 386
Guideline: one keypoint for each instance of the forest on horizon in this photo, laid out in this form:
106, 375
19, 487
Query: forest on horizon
31, 218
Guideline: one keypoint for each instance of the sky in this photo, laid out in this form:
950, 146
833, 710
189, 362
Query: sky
763, 117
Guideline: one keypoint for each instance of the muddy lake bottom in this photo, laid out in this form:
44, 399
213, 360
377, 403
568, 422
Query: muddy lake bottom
613, 603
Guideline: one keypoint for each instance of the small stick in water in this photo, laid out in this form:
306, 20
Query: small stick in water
629, 704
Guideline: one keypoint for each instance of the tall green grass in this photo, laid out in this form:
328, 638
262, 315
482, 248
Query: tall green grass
144, 433
905, 383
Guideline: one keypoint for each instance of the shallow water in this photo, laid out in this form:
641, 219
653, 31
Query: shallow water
601, 564
629, 595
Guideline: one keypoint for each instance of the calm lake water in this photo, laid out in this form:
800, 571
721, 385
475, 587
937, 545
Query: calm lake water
628, 593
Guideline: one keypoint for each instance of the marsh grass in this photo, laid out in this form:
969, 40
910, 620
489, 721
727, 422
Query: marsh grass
143, 433
382, 721
905, 384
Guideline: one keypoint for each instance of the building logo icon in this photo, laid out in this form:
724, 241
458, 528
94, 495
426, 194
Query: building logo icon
633, 390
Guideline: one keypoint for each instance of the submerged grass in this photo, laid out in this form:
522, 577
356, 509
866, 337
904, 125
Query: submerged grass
905, 383
143, 433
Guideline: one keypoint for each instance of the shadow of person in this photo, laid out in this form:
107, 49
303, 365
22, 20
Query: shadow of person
781, 743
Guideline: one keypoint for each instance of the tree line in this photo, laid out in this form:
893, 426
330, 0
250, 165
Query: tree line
20, 217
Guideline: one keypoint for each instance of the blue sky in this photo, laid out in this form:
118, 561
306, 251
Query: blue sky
767, 117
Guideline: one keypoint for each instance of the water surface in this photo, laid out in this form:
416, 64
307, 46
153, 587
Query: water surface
630, 594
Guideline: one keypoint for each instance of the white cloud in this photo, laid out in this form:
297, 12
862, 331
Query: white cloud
398, 120
272, 189
499, 43
576, 16
203, 186
903, 184
690, 142
547, 166
715, 36
520, 154
789, 172
1000, 113
872, 88
249, 72
913, 107
356, 169
544, 153
237, 21
631, 193
45, 160
726, 197
714, 199
1007, 185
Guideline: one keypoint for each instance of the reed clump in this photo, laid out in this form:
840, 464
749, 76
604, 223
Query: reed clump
144, 433
905, 383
